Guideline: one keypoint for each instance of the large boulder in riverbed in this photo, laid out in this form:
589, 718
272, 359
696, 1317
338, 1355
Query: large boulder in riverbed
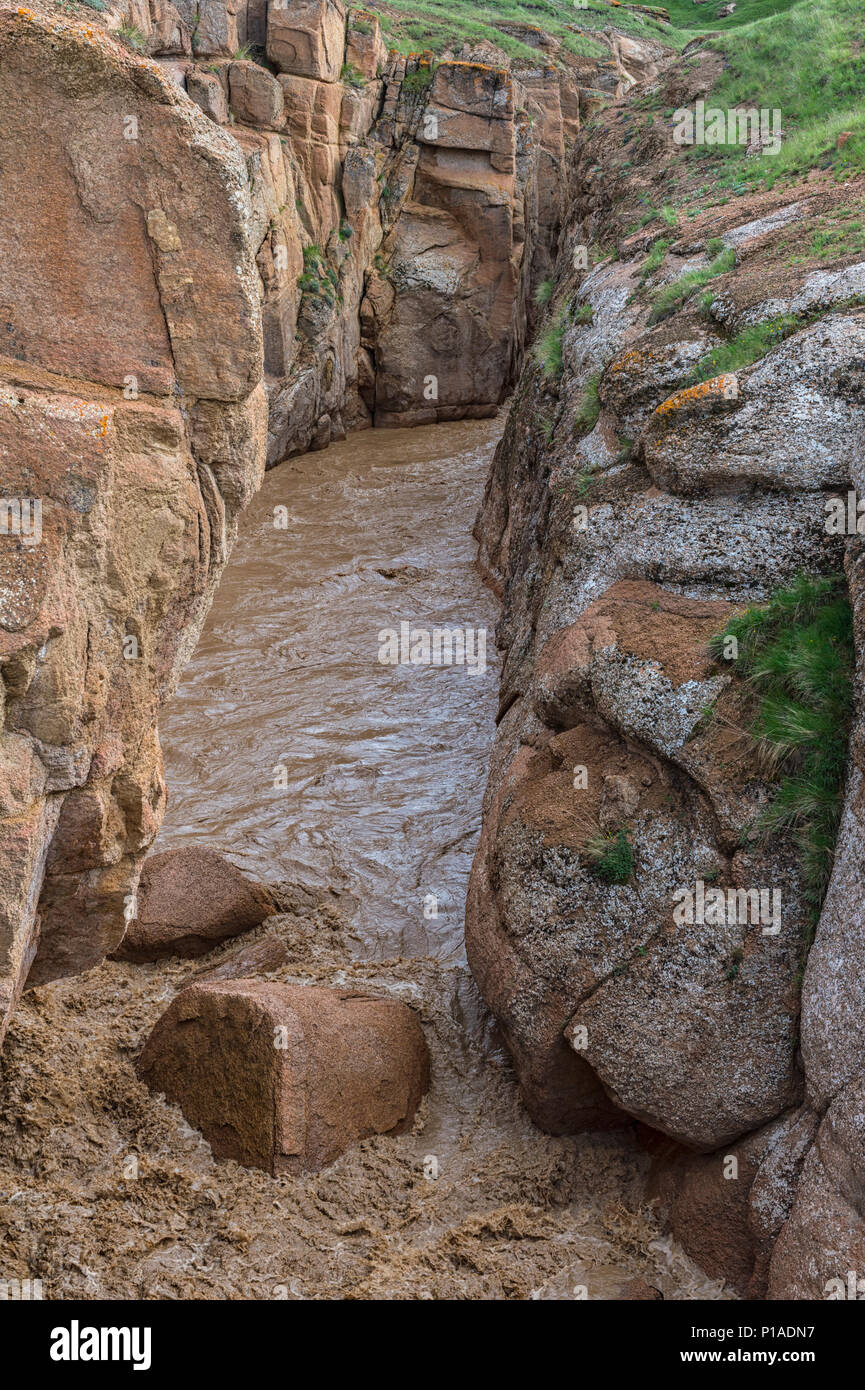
190, 900
286, 1077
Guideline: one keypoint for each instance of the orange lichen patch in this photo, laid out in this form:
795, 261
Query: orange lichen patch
502, 73
717, 388
633, 359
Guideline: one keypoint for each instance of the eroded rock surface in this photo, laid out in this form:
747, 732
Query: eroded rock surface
188, 901
132, 413
636, 502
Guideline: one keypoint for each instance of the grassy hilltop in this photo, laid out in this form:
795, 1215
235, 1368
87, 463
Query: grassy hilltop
805, 58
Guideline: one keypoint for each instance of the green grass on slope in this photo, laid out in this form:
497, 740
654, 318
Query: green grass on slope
410, 25
439, 24
807, 62
804, 58
797, 653
702, 18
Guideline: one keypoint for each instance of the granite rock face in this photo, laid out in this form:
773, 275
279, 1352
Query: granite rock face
635, 502
133, 428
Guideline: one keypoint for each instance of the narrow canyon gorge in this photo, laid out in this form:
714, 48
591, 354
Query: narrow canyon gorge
431, 616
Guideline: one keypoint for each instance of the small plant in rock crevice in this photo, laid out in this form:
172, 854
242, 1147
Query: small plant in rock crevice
590, 406
416, 84
672, 297
655, 258
548, 351
611, 857
748, 346
132, 37
351, 76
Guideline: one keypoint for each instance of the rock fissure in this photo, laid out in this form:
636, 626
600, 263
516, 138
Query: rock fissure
237, 262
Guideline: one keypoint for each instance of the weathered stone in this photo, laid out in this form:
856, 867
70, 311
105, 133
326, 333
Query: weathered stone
471, 107
688, 447
286, 1077
212, 24
612, 472
208, 92
188, 901
307, 37
255, 95
728, 1207
145, 278
824, 1239
365, 49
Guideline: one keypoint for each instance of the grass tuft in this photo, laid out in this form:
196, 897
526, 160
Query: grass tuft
351, 76
670, 298
655, 258
746, 347
797, 653
611, 857
590, 406
548, 351
132, 37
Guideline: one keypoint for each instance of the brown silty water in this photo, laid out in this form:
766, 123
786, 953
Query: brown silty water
354, 788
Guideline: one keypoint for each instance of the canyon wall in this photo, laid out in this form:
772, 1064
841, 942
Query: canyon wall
405, 210
631, 510
230, 232
133, 431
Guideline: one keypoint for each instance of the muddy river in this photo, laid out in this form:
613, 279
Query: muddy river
353, 785
290, 745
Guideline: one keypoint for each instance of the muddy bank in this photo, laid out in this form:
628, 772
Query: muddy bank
105, 1191
513, 1213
